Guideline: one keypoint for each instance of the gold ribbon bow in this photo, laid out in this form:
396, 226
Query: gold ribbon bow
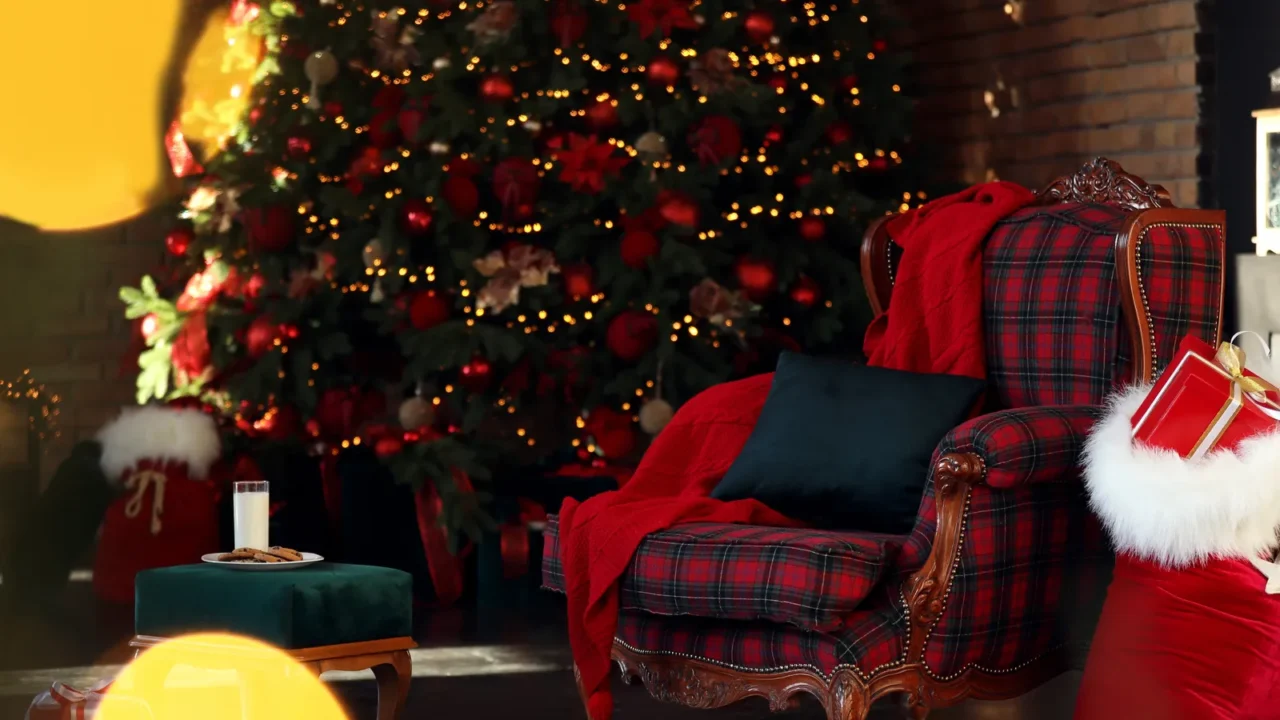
1231, 358
138, 482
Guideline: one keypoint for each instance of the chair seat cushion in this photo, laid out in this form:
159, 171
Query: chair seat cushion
812, 579
323, 604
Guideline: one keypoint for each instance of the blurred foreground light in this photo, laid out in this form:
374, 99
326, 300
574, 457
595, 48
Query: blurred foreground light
217, 677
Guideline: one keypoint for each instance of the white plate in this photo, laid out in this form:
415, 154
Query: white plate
307, 559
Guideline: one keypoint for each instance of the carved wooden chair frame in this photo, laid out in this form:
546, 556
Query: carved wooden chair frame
849, 693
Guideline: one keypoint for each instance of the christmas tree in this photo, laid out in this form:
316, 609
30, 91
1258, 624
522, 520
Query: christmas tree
474, 234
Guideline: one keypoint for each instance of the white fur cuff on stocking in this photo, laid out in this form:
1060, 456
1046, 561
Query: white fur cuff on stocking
1159, 507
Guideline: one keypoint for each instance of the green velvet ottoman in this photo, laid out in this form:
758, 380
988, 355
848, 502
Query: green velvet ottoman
327, 616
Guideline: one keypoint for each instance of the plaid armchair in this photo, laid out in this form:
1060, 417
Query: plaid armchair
1004, 571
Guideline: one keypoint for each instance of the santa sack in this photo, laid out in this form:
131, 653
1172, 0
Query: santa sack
166, 513
1189, 630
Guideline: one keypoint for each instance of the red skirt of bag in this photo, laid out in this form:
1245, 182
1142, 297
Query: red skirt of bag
1200, 643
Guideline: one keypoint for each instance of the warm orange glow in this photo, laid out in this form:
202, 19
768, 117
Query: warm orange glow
216, 676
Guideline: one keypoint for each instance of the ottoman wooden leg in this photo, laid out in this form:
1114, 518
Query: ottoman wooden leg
393, 684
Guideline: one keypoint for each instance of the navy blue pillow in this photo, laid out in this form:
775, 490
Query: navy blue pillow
845, 446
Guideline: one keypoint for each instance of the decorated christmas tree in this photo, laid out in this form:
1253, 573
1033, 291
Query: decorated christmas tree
472, 235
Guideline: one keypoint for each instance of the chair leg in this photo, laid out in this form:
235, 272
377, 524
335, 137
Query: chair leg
393, 677
915, 709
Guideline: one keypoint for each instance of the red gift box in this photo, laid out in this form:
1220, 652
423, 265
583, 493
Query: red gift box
1204, 401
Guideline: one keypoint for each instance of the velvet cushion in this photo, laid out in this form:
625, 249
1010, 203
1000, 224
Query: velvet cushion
847, 446
322, 604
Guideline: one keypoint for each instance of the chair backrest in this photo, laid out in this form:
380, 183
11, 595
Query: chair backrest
1091, 286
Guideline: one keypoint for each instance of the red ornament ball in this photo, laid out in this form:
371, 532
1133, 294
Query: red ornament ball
516, 185
631, 334
637, 247
415, 217
617, 443
497, 88
568, 23
839, 132
384, 129
715, 139
177, 241
261, 336
812, 228
773, 135
759, 26
298, 147
803, 179
476, 375
461, 195
410, 120
805, 292
778, 83
333, 108
678, 208
427, 310
757, 277
579, 280
388, 446
663, 71
271, 228
603, 114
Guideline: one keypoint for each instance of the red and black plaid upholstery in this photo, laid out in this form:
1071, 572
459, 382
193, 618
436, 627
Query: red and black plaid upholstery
812, 579
1033, 563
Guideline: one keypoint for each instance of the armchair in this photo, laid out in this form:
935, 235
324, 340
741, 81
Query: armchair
1091, 287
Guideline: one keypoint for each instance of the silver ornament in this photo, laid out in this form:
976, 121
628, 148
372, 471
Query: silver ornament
438, 148
374, 254
533, 126
321, 67
651, 146
654, 415
416, 413
377, 294
441, 63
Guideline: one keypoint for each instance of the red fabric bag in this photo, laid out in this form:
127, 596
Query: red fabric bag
167, 512
1190, 629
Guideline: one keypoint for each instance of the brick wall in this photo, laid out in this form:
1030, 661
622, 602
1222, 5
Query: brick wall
1082, 78
62, 318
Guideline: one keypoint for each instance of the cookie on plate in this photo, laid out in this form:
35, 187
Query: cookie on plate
238, 555
263, 557
285, 553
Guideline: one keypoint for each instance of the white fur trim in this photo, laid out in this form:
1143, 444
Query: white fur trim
1177, 512
182, 434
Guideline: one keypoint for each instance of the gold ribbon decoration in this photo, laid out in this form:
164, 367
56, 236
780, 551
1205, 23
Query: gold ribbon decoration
1231, 358
138, 482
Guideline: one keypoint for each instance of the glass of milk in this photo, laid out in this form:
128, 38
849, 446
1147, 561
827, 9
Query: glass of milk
252, 510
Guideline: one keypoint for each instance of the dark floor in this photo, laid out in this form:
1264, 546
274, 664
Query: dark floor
516, 666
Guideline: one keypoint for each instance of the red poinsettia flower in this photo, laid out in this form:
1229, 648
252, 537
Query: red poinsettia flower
650, 15
190, 353
586, 163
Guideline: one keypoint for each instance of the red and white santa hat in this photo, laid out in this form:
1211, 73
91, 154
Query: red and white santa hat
161, 435
1159, 507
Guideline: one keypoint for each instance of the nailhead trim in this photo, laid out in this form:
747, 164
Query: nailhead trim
1142, 291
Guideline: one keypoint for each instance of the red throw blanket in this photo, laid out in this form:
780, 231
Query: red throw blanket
934, 326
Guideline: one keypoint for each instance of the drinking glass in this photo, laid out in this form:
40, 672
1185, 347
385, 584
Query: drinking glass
252, 509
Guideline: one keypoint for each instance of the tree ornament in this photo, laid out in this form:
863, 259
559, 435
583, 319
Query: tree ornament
281, 423
191, 351
410, 118
427, 310
603, 114
476, 375
393, 46
631, 334
438, 148
715, 139
461, 195
579, 281
713, 72
663, 71
416, 412
298, 147
812, 228
652, 147
261, 336
497, 88
678, 208
586, 164
716, 304
415, 217
655, 414
384, 129
374, 254
533, 126
805, 292
270, 229
568, 22
878, 164
377, 293
495, 23
441, 63
664, 15
839, 132
178, 241
320, 67
848, 83
637, 247
759, 26
388, 446
756, 276
516, 184
803, 180
773, 135
332, 108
